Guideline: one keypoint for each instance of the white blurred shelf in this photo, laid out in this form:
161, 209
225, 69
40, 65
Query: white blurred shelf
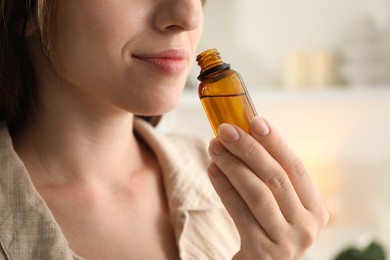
190, 95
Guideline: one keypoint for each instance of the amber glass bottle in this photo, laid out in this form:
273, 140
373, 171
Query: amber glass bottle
222, 92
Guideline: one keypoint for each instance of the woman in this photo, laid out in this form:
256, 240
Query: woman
83, 177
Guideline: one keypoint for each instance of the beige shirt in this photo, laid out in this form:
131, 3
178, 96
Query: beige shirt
203, 229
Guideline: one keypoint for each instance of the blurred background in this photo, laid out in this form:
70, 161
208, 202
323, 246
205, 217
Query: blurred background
319, 71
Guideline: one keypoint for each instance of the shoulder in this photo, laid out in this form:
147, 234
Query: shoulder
22, 209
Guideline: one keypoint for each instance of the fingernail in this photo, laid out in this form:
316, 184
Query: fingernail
260, 127
216, 147
228, 133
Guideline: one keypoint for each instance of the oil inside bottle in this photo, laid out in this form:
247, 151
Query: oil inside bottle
223, 94
232, 109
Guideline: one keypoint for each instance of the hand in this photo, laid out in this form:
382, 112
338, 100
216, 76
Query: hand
267, 191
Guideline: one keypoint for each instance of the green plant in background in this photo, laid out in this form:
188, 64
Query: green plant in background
373, 251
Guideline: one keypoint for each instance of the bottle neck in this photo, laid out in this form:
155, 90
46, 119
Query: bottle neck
205, 73
210, 62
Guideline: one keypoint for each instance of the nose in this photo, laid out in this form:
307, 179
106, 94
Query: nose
179, 15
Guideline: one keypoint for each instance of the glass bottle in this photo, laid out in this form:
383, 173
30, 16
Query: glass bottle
222, 92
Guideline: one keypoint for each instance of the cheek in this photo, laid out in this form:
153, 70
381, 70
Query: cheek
199, 31
86, 38
195, 38
89, 64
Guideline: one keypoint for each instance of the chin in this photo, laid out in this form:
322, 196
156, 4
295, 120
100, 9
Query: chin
167, 101
166, 107
159, 105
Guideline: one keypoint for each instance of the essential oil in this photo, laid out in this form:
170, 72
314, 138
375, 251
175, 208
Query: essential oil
222, 92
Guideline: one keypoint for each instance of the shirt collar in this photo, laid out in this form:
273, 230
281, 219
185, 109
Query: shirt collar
184, 162
26, 220
27, 227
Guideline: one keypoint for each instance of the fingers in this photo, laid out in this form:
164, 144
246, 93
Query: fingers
254, 193
232, 200
266, 190
262, 167
293, 166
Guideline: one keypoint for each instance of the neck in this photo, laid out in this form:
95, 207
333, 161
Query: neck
73, 136
80, 143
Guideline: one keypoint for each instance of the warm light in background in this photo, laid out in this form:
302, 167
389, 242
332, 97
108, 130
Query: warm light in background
318, 160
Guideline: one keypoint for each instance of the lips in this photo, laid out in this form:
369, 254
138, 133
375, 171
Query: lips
170, 61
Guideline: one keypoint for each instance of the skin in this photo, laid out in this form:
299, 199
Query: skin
106, 71
267, 191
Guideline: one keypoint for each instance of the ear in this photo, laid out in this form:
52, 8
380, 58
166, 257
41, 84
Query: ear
31, 27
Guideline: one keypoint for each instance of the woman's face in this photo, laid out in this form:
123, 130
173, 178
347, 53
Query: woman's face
133, 54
